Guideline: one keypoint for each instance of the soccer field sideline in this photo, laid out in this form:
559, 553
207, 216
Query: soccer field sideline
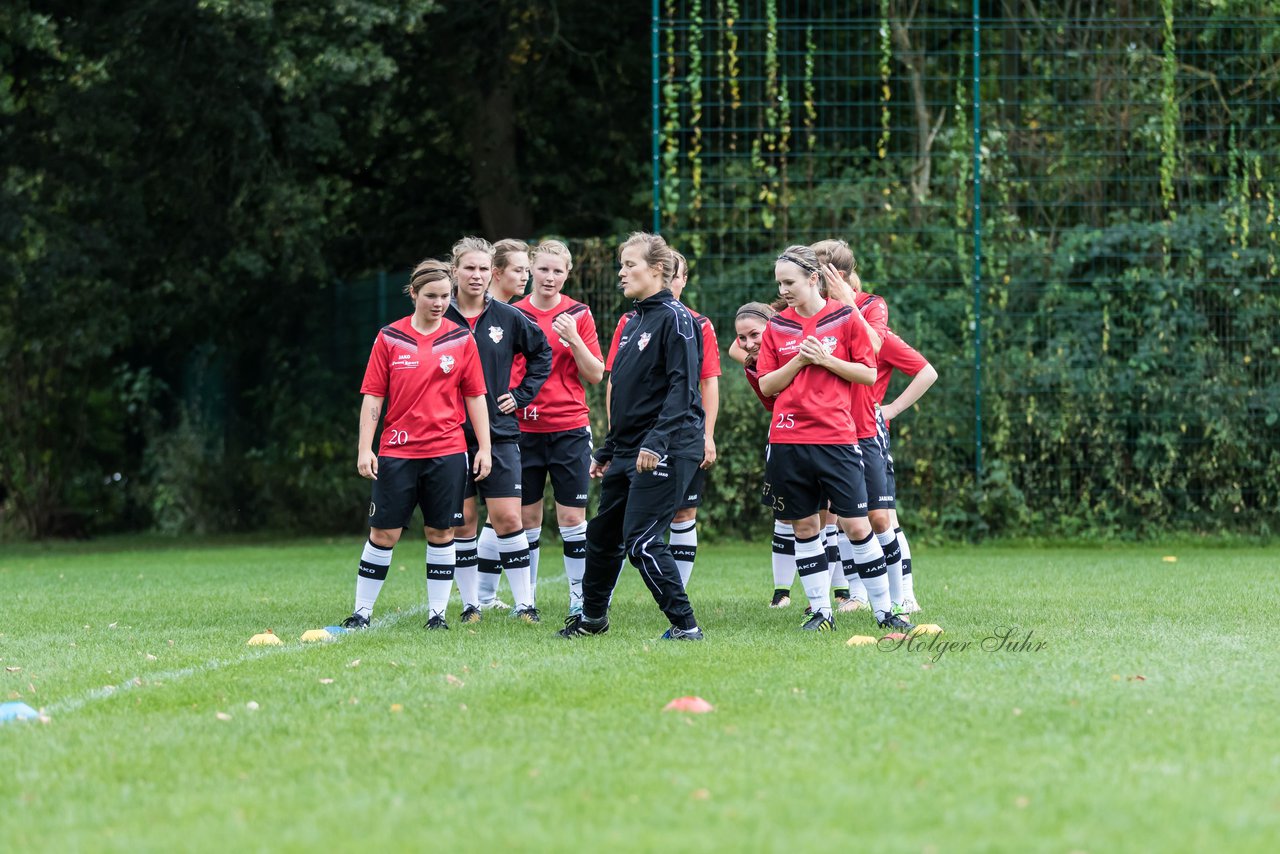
1110, 736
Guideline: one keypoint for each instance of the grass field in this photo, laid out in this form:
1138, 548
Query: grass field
1146, 721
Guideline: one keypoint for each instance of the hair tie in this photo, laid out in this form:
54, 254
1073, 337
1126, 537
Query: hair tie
805, 265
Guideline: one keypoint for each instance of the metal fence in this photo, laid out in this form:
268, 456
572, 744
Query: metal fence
1070, 208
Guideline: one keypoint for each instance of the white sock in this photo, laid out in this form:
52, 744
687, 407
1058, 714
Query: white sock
683, 542
464, 571
908, 579
856, 588
893, 562
868, 557
784, 555
534, 536
513, 549
490, 565
440, 563
374, 563
811, 565
575, 560
835, 569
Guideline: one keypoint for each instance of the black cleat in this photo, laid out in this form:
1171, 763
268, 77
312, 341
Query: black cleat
781, 598
470, 614
819, 623
528, 613
677, 633
355, 621
896, 623
576, 626
437, 622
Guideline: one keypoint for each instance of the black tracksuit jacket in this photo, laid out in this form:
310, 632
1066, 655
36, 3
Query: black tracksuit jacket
501, 331
656, 404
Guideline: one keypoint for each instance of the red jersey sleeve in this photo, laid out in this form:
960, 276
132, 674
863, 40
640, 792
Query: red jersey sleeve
876, 311
472, 382
860, 349
901, 356
767, 359
710, 351
377, 374
613, 343
753, 377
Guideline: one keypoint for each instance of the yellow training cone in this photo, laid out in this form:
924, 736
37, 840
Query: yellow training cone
860, 640
926, 629
314, 635
266, 638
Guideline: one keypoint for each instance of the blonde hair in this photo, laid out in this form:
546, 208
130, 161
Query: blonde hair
802, 256
656, 253
554, 247
471, 244
504, 249
427, 271
836, 253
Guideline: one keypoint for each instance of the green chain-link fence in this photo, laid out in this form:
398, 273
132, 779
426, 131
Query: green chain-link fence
1070, 210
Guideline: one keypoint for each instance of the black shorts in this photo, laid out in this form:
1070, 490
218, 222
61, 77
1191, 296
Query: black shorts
879, 496
693, 495
804, 478
435, 484
504, 478
891, 481
566, 456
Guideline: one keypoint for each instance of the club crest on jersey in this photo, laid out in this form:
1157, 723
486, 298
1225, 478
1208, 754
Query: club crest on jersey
446, 363
644, 340
495, 334
829, 343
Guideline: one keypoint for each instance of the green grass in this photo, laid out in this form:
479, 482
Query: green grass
548, 743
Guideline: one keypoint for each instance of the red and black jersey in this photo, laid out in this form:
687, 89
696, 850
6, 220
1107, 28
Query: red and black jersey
895, 355
753, 377
424, 379
561, 404
816, 408
875, 310
710, 366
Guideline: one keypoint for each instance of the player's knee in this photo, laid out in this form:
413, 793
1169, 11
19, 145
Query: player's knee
880, 520
384, 537
686, 515
567, 517
438, 536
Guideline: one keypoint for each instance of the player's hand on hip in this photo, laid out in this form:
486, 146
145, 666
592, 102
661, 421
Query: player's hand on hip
598, 469
367, 464
647, 461
482, 464
708, 453
507, 404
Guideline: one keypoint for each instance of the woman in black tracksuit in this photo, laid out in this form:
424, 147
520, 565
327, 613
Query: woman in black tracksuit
654, 446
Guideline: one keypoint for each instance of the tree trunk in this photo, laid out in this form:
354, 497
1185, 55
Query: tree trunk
495, 177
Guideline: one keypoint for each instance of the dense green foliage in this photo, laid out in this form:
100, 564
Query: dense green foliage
184, 184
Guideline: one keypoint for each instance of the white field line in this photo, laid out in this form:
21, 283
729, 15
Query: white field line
168, 677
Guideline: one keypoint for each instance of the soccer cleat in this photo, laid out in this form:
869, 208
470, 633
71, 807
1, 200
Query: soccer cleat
470, 614
575, 610
848, 606
819, 623
528, 613
895, 622
781, 598
437, 623
494, 604
911, 606
677, 633
840, 594
355, 621
577, 626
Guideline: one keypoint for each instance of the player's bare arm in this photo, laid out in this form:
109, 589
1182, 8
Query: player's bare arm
773, 383
590, 369
919, 384
854, 372
366, 459
478, 412
711, 408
